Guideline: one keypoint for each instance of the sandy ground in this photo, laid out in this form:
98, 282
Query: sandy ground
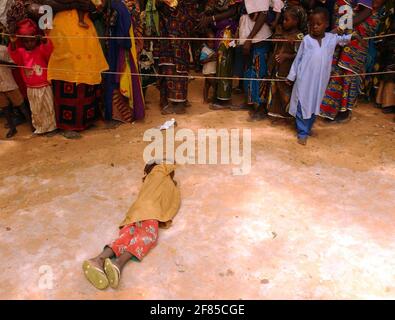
314, 222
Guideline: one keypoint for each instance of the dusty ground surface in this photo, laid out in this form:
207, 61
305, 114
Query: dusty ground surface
312, 222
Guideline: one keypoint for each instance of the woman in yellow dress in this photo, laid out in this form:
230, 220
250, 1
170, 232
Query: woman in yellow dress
75, 65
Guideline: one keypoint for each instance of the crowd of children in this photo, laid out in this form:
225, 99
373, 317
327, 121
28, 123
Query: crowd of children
295, 46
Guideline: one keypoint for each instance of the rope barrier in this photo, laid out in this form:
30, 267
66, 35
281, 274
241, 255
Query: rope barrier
191, 77
180, 38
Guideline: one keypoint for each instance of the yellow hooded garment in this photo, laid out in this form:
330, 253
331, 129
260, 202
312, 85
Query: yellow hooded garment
159, 198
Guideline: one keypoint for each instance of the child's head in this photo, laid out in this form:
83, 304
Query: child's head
292, 18
152, 164
211, 35
319, 22
29, 28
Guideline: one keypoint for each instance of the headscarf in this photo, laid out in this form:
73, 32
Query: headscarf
27, 27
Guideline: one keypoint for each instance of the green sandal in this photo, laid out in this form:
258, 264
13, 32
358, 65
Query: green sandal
95, 276
113, 273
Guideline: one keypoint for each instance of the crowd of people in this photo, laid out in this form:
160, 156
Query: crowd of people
98, 59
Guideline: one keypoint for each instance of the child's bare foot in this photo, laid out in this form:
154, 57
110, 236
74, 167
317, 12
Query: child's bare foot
256, 115
83, 24
219, 106
12, 132
179, 108
52, 133
313, 134
244, 106
302, 141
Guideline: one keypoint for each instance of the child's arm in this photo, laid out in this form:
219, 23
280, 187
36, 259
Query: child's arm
281, 57
343, 39
211, 58
295, 65
276, 21
278, 5
14, 52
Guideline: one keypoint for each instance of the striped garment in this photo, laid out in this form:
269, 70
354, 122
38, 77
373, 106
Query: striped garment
42, 107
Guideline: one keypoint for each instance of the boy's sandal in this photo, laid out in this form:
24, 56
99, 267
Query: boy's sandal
113, 273
95, 275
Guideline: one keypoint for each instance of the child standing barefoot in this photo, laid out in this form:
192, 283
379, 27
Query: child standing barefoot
208, 58
311, 71
278, 93
32, 53
156, 205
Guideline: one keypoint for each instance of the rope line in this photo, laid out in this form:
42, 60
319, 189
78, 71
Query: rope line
180, 38
191, 77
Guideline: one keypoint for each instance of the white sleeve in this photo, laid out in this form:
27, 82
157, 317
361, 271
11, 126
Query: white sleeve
295, 65
278, 5
253, 6
343, 40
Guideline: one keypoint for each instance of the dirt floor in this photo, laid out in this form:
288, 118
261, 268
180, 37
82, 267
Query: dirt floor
314, 222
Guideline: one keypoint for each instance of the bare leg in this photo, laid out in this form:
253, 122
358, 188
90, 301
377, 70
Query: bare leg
179, 107
99, 260
122, 260
206, 90
8, 115
26, 112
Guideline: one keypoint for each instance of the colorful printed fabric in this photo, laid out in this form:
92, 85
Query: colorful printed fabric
174, 55
342, 93
224, 69
173, 89
152, 19
137, 239
135, 11
257, 69
75, 105
379, 55
124, 99
225, 29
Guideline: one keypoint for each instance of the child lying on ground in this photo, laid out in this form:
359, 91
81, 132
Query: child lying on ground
156, 205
